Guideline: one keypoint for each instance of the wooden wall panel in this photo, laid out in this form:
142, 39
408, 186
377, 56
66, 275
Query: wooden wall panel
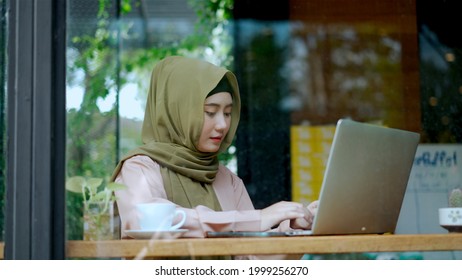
373, 21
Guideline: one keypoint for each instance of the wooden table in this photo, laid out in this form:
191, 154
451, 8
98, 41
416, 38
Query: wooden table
276, 245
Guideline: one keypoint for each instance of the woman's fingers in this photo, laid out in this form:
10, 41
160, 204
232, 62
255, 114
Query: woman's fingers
278, 212
313, 207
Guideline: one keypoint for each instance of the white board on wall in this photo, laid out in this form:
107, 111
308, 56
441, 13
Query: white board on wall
437, 169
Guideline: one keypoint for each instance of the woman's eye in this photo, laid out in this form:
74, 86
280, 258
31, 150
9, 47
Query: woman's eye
227, 114
210, 114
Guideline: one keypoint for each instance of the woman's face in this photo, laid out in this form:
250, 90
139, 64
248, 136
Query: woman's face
217, 119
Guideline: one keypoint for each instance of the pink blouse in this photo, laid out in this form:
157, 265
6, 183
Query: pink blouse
144, 184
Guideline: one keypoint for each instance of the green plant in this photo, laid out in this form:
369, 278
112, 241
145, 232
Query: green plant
98, 206
93, 190
455, 198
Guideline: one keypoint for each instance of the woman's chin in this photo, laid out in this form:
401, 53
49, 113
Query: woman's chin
211, 148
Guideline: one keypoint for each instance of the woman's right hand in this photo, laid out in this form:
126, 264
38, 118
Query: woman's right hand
285, 210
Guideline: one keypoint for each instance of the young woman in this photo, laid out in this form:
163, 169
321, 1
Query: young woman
192, 114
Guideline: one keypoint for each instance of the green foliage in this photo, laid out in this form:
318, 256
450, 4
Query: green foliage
212, 16
93, 189
74, 216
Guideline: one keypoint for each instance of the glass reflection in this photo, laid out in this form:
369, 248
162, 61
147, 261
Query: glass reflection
343, 71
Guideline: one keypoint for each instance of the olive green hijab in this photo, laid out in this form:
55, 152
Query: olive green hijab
173, 124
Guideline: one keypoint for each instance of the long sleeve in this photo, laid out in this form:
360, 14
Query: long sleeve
144, 184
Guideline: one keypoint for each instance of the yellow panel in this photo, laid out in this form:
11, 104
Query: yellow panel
310, 147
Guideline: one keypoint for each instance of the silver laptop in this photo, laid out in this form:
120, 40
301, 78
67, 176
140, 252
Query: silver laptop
365, 179
364, 183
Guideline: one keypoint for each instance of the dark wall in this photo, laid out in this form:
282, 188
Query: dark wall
261, 10
440, 77
263, 137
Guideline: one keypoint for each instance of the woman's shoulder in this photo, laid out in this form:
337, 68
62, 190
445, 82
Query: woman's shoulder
225, 170
140, 166
225, 173
141, 160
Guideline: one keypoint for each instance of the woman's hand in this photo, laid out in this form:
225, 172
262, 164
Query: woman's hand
307, 221
285, 210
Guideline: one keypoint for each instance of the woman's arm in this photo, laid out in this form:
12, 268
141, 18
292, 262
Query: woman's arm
144, 184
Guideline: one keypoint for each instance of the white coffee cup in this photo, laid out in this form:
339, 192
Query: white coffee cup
159, 216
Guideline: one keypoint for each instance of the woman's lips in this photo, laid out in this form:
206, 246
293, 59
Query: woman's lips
216, 139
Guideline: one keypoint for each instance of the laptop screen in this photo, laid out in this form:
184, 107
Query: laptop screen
365, 179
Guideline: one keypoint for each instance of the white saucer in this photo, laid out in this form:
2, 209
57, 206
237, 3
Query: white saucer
154, 234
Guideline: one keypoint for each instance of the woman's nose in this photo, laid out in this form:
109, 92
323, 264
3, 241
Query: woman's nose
220, 122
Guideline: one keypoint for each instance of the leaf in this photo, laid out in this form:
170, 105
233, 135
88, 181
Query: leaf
101, 196
74, 184
113, 186
94, 183
126, 7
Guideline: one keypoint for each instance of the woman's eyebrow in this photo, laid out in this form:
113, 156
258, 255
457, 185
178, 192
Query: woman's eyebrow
218, 105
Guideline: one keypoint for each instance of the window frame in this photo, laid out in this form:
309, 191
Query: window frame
35, 197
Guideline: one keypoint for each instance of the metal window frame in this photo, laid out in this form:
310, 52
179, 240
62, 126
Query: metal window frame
35, 195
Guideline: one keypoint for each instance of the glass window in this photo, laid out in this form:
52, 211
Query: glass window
301, 66
92, 92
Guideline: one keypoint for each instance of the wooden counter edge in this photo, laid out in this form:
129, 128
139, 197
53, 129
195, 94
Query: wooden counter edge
140, 249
